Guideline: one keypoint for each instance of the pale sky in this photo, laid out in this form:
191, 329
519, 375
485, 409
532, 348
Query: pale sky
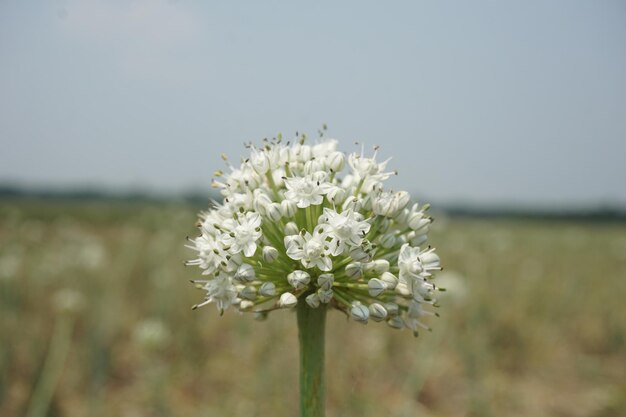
481, 102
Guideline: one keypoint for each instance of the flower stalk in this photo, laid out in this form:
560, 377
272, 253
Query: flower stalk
311, 331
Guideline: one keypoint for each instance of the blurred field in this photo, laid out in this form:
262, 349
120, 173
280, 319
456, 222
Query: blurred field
533, 324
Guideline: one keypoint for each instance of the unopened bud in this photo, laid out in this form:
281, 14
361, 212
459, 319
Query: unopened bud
359, 313
336, 195
298, 279
245, 273
291, 229
359, 255
403, 289
336, 161
325, 281
418, 222
377, 267
325, 295
273, 211
388, 240
288, 208
396, 322
430, 260
376, 287
248, 293
313, 300
392, 309
389, 279
377, 312
287, 300
268, 289
246, 305
354, 271
270, 254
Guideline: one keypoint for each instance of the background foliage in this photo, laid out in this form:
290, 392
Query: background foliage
532, 323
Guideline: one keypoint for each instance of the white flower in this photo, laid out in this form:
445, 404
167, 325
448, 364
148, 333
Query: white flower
306, 191
346, 230
367, 171
211, 254
242, 234
388, 204
310, 249
329, 230
409, 263
221, 291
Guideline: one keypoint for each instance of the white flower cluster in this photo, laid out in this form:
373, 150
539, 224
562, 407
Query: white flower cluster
294, 227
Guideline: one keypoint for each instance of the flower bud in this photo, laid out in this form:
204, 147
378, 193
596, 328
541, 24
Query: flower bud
392, 309
390, 204
325, 295
384, 225
287, 300
336, 161
245, 305
273, 212
313, 300
359, 255
396, 322
288, 207
261, 201
245, 273
313, 165
377, 312
388, 240
376, 287
402, 216
418, 222
268, 289
291, 229
298, 279
270, 254
366, 202
389, 279
259, 161
336, 195
325, 281
377, 267
352, 203
305, 153
354, 271
359, 313
403, 289
430, 260
248, 293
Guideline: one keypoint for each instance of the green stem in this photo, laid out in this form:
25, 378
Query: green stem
311, 325
52, 368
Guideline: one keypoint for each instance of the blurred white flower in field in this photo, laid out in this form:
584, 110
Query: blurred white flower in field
307, 223
9, 265
152, 334
69, 301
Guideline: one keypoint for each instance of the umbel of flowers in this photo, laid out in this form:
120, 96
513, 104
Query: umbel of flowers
307, 223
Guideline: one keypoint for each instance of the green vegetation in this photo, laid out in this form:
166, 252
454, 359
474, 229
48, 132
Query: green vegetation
533, 324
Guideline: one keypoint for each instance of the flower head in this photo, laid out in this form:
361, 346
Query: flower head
294, 228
